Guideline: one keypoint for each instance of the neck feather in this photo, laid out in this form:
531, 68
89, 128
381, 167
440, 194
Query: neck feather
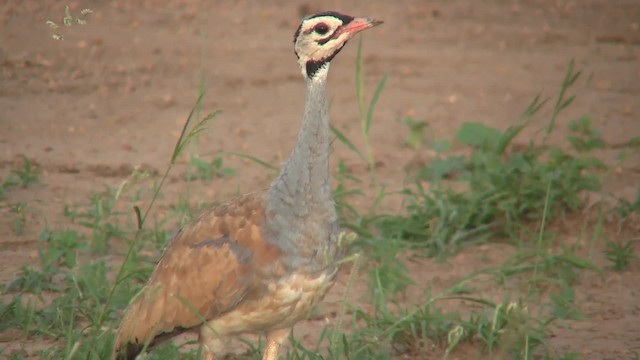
303, 185
301, 215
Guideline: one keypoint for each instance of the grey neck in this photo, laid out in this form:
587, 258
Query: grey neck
301, 214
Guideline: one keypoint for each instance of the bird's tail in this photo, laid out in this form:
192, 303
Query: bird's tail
143, 324
130, 337
127, 352
139, 325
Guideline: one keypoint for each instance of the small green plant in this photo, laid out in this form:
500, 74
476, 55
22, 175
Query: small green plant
583, 137
32, 280
56, 250
60, 248
501, 190
619, 254
101, 217
24, 176
563, 305
417, 129
208, 170
20, 210
625, 208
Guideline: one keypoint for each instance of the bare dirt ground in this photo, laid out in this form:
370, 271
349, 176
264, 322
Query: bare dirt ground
115, 93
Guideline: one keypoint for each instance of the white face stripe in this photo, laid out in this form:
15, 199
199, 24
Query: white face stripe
308, 26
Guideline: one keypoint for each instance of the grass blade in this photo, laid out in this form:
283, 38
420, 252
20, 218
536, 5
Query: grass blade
343, 139
561, 102
359, 79
256, 160
372, 105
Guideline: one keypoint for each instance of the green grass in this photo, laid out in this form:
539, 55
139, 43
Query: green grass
495, 191
24, 176
620, 254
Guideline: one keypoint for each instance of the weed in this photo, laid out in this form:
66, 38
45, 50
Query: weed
24, 176
416, 132
583, 137
619, 254
500, 190
61, 248
20, 210
32, 280
625, 208
208, 170
101, 217
563, 305
56, 249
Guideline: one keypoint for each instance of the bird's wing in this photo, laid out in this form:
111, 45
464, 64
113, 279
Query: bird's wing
206, 270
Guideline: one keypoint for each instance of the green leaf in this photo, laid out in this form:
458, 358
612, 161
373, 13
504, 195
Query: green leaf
373, 103
478, 135
441, 146
534, 106
441, 168
508, 136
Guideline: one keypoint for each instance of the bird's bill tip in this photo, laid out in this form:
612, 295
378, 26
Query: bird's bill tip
374, 22
359, 24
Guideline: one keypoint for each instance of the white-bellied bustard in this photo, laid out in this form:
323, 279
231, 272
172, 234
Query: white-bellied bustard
258, 263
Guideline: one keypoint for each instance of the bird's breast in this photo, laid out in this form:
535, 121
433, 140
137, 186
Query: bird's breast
281, 304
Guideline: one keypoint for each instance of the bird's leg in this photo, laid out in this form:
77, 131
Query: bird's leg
208, 355
274, 339
209, 341
271, 351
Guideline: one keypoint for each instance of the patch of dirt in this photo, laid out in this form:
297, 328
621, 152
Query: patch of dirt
114, 94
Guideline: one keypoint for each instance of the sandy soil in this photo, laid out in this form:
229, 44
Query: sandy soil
114, 94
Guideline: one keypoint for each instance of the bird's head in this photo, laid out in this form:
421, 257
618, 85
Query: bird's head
321, 36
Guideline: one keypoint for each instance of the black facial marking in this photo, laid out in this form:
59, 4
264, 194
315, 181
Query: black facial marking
313, 66
295, 35
325, 40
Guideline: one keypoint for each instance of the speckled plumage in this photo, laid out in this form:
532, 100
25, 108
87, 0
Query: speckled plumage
260, 262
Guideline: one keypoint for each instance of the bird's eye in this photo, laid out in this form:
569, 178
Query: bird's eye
321, 28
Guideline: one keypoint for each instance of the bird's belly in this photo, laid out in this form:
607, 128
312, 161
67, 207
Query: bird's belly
284, 303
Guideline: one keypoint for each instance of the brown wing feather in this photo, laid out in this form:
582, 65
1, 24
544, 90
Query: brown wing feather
206, 270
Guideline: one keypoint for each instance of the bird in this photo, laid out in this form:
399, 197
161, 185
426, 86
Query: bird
260, 262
